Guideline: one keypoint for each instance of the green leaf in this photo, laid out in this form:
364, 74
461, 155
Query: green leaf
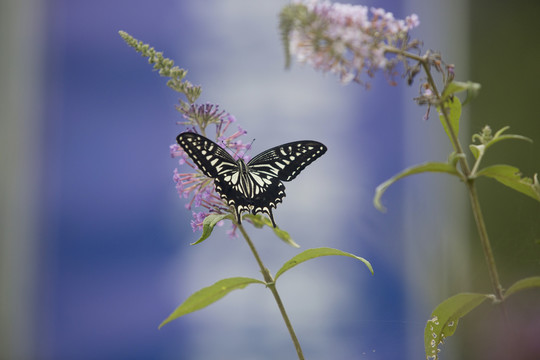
496, 139
487, 139
291, 17
477, 150
209, 223
453, 88
511, 177
523, 284
445, 317
286, 25
453, 109
209, 295
259, 221
472, 91
284, 235
315, 253
417, 169
499, 137
457, 86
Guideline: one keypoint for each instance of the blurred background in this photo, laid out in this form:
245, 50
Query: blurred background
94, 246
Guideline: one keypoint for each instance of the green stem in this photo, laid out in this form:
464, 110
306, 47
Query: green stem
477, 164
473, 195
270, 283
484, 240
477, 211
475, 204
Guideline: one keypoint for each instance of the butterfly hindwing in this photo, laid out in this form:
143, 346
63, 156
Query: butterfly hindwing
255, 186
241, 200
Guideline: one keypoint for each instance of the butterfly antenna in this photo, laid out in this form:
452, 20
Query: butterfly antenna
248, 147
232, 151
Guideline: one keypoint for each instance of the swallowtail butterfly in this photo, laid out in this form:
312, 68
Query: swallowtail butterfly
256, 186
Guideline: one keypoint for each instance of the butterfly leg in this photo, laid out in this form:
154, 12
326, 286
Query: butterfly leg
271, 217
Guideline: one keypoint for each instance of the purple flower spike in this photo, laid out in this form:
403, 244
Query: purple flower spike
197, 222
345, 40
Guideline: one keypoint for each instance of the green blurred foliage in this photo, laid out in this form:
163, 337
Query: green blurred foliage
505, 59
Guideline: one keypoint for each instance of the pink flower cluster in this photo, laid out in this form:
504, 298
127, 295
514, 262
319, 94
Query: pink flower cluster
348, 39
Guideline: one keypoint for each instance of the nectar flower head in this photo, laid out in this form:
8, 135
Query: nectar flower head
197, 221
347, 40
200, 116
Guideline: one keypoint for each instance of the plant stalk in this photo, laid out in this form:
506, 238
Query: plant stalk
270, 283
469, 180
484, 240
475, 205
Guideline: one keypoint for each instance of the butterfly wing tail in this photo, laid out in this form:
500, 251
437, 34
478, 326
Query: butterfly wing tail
271, 216
238, 214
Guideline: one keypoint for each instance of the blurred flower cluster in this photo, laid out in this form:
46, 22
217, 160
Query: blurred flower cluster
193, 184
347, 40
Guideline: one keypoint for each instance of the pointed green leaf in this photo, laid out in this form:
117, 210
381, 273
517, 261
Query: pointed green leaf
315, 253
417, 169
523, 284
454, 158
209, 223
457, 86
291, 17
259, 221
209, 295
499, 137
511, 177
444, 320
286, 25
472, 91
284, 235
477, 150
487, 139
453, 109
496, 139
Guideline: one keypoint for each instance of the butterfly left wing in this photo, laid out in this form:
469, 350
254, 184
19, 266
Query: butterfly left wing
216, 163
209, 157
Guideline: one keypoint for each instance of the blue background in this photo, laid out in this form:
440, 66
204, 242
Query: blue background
112, 225
112, 258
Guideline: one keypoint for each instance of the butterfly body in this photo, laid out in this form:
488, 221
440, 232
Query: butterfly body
255, 186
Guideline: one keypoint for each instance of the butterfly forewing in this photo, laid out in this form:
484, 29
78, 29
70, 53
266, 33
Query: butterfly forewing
288, 160
209, 157
255, 186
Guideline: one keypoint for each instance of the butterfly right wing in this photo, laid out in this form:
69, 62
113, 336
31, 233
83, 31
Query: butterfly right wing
288, 160
280, 163
210, 158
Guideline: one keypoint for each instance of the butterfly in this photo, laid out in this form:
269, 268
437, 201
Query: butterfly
254, 186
